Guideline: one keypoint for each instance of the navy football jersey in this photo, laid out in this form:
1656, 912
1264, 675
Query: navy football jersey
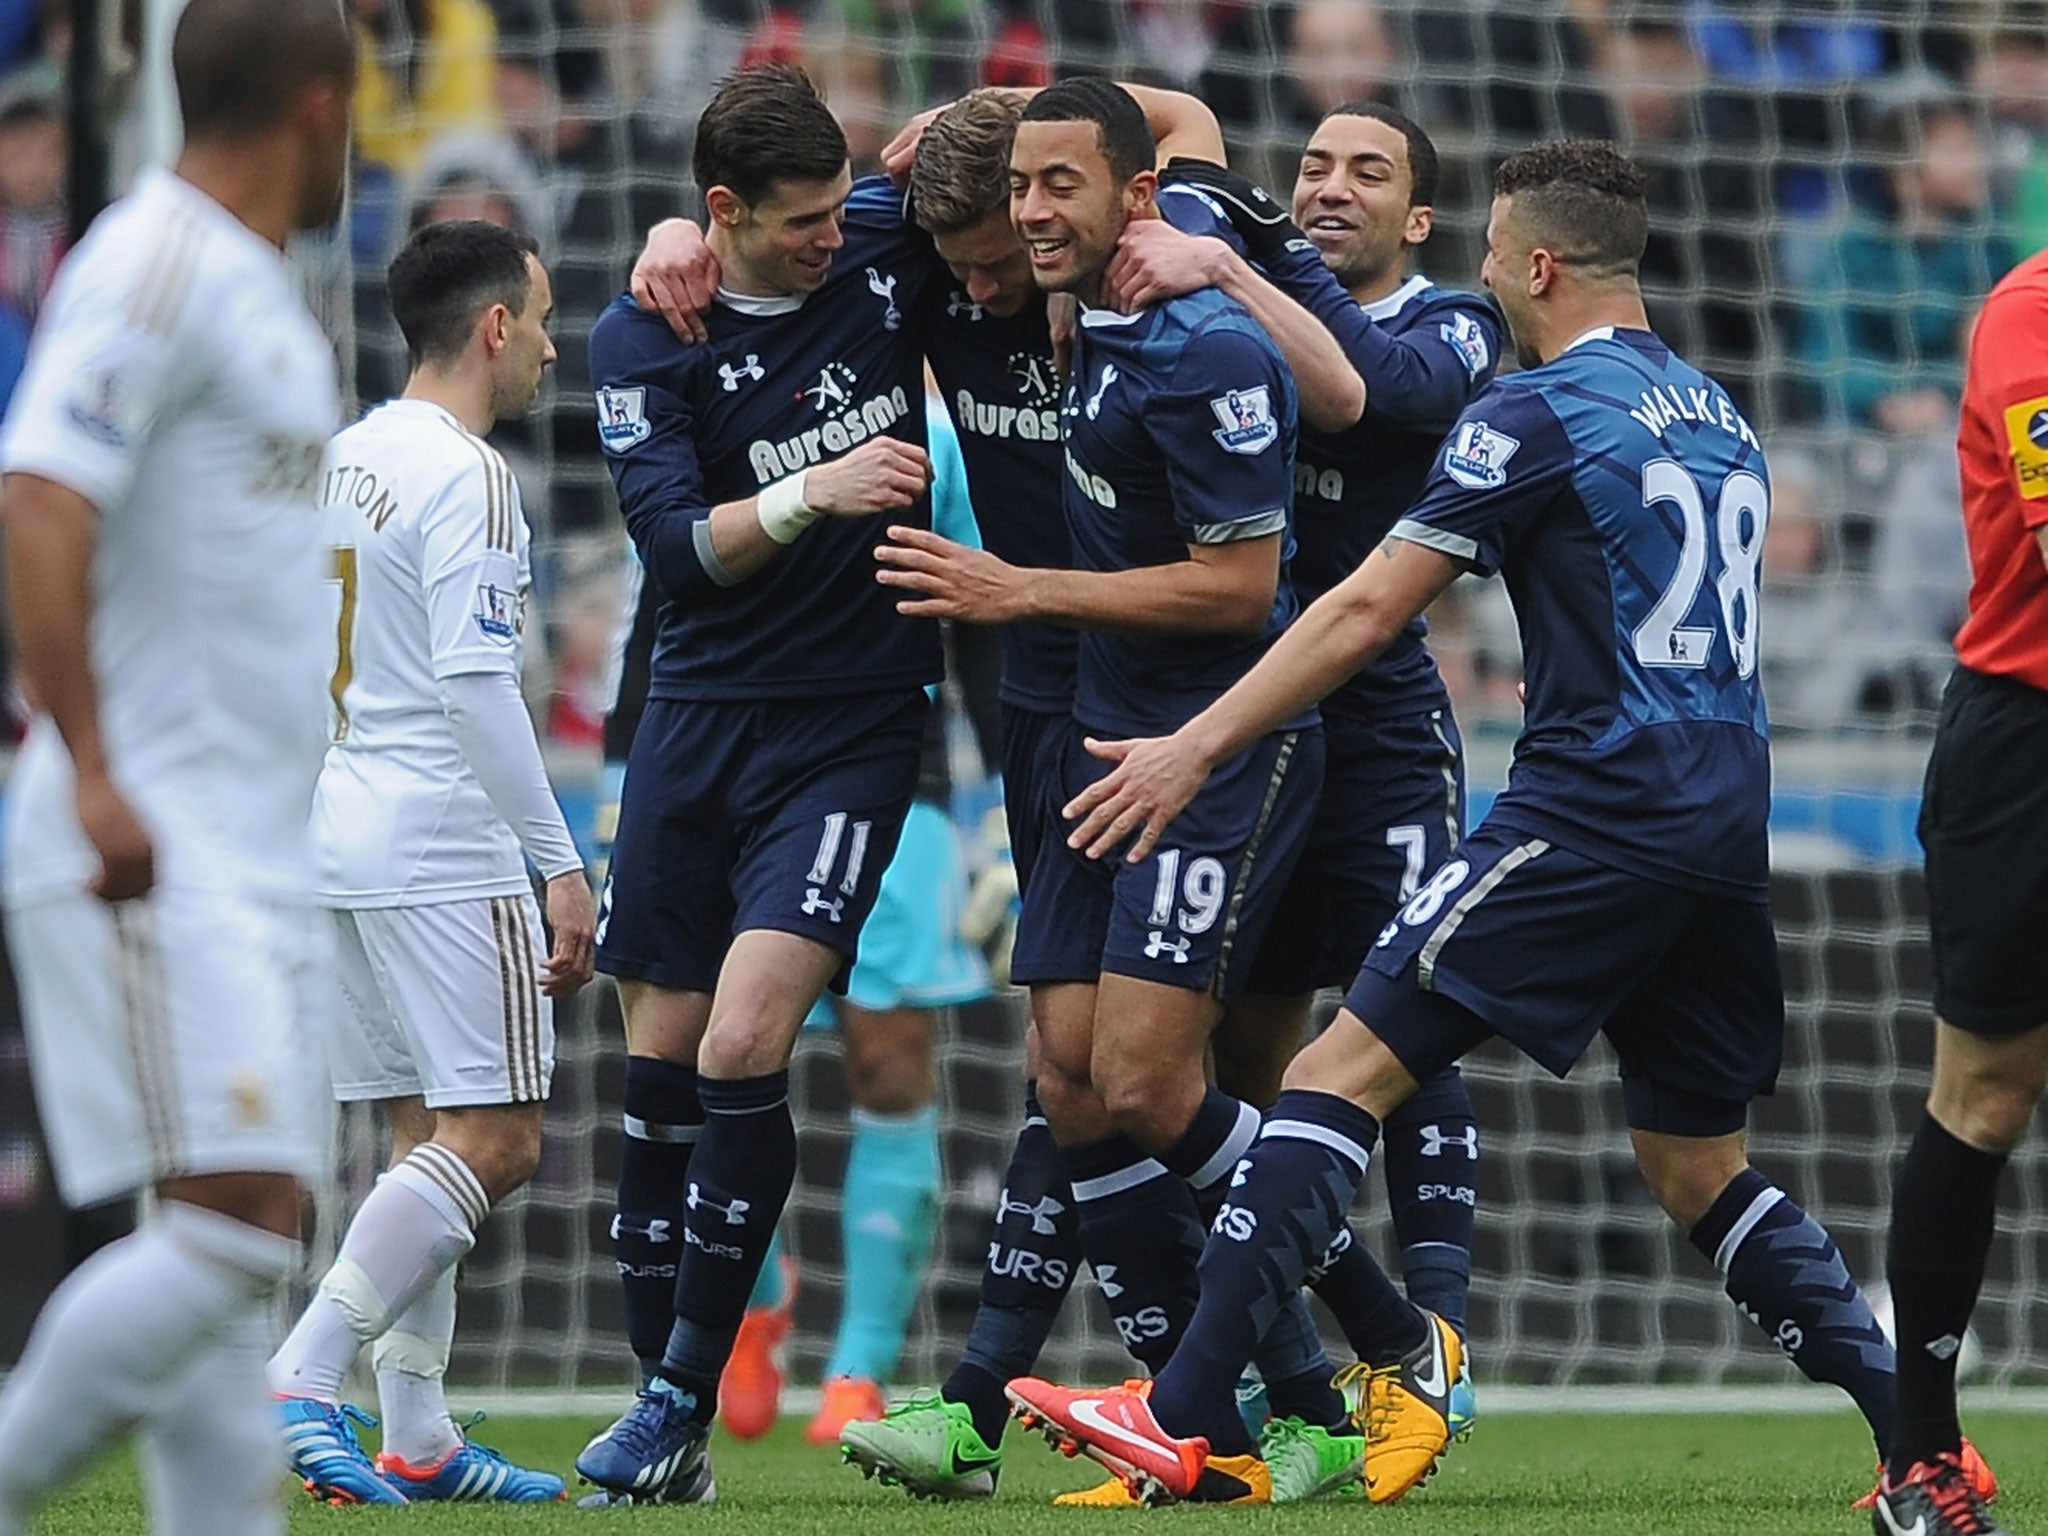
781, 385
1180, 427
1623, 498
997, 379
1423, 352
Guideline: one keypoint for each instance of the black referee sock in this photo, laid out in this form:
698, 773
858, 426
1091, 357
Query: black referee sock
1944, 1211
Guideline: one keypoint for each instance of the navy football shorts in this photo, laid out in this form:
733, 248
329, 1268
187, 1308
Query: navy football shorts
1517, 937
778, 814
1194, 911
1392, 810
1036, 750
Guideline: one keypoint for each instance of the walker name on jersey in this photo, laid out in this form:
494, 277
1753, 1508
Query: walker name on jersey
771, 460
1664, 406
351, 485
1041, 425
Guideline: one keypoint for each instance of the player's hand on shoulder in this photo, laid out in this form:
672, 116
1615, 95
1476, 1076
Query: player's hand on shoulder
572, 915
900, 153
1260, 219
1153, 781
1155, 262
883, 473
126, 854
677, 277
947, 580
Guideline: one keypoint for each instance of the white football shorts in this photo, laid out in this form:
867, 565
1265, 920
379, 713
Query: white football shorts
443, 1001
175, 1035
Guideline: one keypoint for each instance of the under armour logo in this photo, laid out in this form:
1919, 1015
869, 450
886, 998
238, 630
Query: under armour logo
1158, 944
816, 901
960, 305
1041, 1214
1237, 1174
884, 288
1434, 1141
1105, 1277
750, 369
656, 1229
1109, 377
735, 1214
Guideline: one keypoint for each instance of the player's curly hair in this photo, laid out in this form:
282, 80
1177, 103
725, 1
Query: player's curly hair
962, 171
764, 125
1587, 200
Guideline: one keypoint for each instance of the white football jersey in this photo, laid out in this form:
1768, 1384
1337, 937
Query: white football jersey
177, 382
430, 552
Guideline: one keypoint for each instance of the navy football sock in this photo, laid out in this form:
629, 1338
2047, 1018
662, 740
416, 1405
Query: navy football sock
662, 1121
1032, 1258
739, 1181
1221, 1132
1429, 1151
1785, 1272
1284, 1212
1142, 1236
1944, 1213
1380, 1323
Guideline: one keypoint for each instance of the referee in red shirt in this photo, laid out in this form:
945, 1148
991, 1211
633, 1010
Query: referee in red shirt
1984, 825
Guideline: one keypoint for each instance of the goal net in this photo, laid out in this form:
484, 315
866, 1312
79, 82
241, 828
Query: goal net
1832, 190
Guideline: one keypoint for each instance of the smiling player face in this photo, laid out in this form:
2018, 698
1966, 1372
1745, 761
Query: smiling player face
1352, 199
786, 241
990, 264
1066, 204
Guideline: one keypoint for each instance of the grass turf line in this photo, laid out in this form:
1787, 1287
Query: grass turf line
1532, 1474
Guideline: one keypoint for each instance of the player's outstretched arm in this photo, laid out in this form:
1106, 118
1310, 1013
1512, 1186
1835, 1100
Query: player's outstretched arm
49, 543
1340, 633
677, 277
1155, 262
1182, 126
1220, 589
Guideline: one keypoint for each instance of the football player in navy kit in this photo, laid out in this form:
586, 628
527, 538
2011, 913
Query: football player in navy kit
778, 752
1619, 885
1393, 789
1178, 434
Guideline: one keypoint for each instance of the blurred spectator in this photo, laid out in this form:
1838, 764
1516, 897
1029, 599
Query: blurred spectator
2011, 78
880, 61
1810, 659
1512, 73
1881, 328
33, 164
1337, 51
1704, 268
425, 67
1920, 570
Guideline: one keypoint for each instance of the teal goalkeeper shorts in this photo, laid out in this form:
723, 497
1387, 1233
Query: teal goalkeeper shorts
911, 953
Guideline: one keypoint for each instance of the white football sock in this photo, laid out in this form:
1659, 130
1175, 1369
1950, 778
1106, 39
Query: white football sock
412, 1361
210, 1453
119, 1336
421, 1217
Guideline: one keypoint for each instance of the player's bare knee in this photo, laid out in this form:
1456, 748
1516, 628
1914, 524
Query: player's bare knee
1686, 1174
500, 1144
273, 1202
1150, 1097
1985, 1087
1349, 1060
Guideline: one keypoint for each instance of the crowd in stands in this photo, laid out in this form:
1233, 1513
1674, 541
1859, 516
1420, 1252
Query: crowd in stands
1834, 186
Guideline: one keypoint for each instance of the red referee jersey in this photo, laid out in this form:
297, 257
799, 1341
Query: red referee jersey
2003, 447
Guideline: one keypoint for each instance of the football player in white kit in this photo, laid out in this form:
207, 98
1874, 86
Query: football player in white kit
433, 800
164, 565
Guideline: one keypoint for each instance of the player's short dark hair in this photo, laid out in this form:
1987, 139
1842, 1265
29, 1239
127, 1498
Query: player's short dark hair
1120, 126
449, 273
1424, 170
764, 125
962, 171
240, 64
1586, 197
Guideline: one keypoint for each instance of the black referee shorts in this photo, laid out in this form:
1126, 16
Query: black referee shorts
1984, 826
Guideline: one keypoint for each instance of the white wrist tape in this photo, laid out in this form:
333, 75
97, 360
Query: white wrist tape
782, 510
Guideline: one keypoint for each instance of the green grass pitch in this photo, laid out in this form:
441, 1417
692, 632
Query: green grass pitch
1528, 1474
